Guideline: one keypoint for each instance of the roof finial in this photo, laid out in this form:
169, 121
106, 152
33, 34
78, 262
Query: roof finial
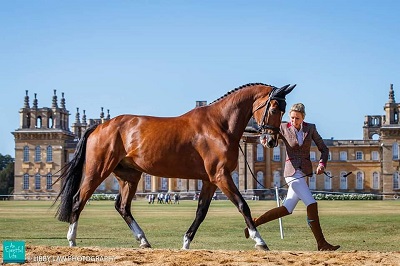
26, 100
35, 102
77, 119
391, 94
62, 100
54, 105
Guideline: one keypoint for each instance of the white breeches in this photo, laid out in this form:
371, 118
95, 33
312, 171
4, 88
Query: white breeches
298, 190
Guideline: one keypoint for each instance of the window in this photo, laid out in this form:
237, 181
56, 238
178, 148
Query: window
164, 183
179, 184
328, 181
26, 153
38, 156
277, 179
49, 181
343, 156
235, 177
26, 181
396, 180
359, 180
147, 182
37, 181
199, 184
359, 155
260, 179
115, 185
49, 157
260, 153
313, 156
375, 180
312, 182
395, 151
330, 156
375, 156
276, 157
343, 180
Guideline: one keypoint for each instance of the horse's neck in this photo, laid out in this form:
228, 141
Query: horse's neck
235, 112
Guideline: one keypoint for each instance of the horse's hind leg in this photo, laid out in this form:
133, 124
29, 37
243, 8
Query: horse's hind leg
86, 190
128, 181
205, 197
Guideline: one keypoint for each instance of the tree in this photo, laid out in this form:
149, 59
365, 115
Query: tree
6, 175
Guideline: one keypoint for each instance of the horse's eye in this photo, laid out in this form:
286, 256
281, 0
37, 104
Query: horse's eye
274, 111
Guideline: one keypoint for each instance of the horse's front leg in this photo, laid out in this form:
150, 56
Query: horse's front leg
207, 191
227, 186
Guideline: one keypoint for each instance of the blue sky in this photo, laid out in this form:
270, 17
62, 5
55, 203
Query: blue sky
159, 57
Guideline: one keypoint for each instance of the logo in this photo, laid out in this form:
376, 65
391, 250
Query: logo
13, 251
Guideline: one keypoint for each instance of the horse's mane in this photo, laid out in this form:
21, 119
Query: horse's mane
239, 88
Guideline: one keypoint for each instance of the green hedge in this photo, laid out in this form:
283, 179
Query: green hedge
321, 196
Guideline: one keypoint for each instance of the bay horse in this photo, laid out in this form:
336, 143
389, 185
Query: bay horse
200, 144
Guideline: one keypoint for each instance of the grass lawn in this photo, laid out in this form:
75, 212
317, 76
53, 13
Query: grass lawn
355, 225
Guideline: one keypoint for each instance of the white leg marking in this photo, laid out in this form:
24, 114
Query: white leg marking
71, 235
139, 234
186, 242
255, 235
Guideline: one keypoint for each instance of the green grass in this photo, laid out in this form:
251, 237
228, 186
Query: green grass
355, 225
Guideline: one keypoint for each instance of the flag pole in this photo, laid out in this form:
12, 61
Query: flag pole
278, 203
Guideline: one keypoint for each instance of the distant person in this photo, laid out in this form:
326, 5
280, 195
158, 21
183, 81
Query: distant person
298, 136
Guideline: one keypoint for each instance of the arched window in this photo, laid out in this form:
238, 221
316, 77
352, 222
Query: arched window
343, 180
235, 177
396, 180
359, 180
277, 179
37, 181
39, 122
49, 181
26, 153
343, 156
147, 182
26, 181
51, 122
49, 154
395, 151
260, 153
312, 182
276, 157
328, 181
164, 183
260, 179
375, 180
38, 156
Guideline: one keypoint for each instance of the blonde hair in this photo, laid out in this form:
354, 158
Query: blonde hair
298, 107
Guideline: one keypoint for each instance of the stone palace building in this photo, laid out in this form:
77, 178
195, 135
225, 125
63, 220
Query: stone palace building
44, 143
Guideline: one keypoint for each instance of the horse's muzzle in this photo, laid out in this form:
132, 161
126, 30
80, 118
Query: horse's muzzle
268, 140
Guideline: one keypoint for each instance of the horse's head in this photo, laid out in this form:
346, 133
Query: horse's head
268, 112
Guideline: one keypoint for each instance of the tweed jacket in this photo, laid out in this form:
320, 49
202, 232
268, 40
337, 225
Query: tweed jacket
298, 157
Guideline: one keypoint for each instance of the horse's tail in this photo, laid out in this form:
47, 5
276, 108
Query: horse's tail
71, 175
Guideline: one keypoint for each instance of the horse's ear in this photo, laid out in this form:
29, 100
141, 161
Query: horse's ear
283, 91
289, 89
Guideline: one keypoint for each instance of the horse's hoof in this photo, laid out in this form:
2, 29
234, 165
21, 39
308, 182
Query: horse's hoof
146, 245
262, 247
